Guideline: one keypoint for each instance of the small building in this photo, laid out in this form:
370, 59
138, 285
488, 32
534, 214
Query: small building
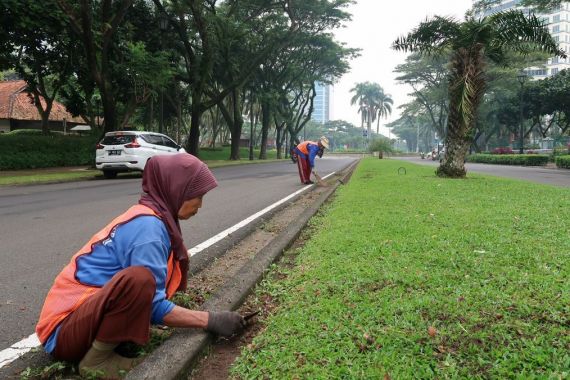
18, 111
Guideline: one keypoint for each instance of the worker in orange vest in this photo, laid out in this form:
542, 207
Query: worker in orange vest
306, 153
122, 280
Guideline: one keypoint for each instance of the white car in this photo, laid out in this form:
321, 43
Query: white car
123, 151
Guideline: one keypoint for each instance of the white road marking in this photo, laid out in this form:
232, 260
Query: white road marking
18, 349
8, 355
213, 240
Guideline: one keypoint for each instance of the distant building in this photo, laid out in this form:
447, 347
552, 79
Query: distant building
558, 21
17, 110
321, 103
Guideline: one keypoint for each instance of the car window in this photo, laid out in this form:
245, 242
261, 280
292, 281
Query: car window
152, 139
118, 139
169, 143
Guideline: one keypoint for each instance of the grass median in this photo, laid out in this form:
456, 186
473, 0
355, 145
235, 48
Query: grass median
413, 276
212, 157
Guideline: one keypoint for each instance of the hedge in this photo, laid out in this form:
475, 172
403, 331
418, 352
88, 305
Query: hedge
563, 161
509, 159
30, 151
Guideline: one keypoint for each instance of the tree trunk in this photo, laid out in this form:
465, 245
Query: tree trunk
467, 80
109, 109
238, 124
453, 163
193, 142
265, 122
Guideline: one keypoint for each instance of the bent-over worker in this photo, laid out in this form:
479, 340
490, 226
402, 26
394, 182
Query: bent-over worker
306, 153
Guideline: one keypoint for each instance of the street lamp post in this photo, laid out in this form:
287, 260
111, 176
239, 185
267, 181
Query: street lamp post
162, 25
521, 77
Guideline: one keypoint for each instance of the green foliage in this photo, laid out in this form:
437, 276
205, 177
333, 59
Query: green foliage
373, 103
462, 257
510, 159
54, 370
23, 150
381, 144
563, 161
473, 43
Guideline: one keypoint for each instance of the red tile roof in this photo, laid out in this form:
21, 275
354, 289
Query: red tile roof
17, 103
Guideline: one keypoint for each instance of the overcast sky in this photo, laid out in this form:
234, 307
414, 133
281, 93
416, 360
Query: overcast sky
375, 25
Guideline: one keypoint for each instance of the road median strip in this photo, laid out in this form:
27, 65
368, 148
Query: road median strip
186, 345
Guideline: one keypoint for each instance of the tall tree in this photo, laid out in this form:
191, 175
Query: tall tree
35, 42
383, 108
96, 24
373, 103
473, 42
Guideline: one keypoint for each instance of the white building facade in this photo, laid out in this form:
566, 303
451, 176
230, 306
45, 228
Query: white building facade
558, 22
321, 103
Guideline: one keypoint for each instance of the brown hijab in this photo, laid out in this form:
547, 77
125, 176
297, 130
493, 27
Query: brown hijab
168, 182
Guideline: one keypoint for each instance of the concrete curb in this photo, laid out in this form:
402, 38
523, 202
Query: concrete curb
175, 357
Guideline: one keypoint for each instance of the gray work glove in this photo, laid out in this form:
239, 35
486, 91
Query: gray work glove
225, 323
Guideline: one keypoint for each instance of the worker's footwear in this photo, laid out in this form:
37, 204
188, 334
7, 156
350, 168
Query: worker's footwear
102, 361
309, 182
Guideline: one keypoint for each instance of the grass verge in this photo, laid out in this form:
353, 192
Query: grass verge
413, 276
39, 176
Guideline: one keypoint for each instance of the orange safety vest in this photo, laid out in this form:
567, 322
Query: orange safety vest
303, 146
67, 293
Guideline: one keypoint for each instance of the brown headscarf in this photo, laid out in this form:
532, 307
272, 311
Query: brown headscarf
168, 182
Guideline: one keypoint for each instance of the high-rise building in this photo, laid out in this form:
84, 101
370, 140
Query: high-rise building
558, 22
321, 103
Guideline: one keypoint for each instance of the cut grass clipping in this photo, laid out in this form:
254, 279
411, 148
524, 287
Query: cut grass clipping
413, 276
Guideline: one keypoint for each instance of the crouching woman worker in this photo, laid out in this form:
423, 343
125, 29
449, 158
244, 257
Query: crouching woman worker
119, 283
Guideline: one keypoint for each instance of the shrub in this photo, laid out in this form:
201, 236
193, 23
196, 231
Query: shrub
25, 150
563, 161
381, 145
509, 159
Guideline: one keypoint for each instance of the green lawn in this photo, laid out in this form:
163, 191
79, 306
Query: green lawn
414, 276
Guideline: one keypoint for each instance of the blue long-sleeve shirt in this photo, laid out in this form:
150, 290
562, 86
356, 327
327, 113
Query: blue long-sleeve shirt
313, 151
143, 241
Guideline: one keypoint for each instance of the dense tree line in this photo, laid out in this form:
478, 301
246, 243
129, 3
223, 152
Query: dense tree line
195, 68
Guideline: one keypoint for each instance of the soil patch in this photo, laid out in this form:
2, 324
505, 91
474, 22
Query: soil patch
216, 363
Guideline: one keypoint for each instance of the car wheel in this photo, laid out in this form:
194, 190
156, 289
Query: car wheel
109, 174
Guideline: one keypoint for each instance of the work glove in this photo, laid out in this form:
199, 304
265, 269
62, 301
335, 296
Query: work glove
225, 323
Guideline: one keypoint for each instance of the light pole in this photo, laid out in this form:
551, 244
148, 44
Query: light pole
521, 77
162, 25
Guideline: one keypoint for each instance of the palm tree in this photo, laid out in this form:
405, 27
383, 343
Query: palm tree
372, 103
471, 44
383, 107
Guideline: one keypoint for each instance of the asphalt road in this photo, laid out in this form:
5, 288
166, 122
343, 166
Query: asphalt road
545, 175
42, 226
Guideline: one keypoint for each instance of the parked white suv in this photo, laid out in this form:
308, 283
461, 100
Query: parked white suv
122, 151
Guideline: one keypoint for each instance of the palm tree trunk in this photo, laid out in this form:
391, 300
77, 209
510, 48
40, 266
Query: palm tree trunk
466, 89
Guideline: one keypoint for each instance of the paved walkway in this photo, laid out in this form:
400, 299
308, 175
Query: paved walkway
549, 175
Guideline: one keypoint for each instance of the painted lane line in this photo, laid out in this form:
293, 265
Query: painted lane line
213, 240
18, 349
8, 355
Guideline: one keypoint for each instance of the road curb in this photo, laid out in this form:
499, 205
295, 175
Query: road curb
175, 357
